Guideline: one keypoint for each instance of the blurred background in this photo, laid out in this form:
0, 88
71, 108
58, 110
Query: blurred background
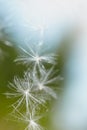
64, 27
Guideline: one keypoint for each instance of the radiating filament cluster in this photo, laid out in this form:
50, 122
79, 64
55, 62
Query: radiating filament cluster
35, 89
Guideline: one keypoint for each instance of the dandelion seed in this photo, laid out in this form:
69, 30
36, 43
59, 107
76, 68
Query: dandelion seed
23, 90
43, 82
35, 57
31, 119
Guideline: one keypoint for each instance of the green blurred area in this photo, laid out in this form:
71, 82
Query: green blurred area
9, 69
